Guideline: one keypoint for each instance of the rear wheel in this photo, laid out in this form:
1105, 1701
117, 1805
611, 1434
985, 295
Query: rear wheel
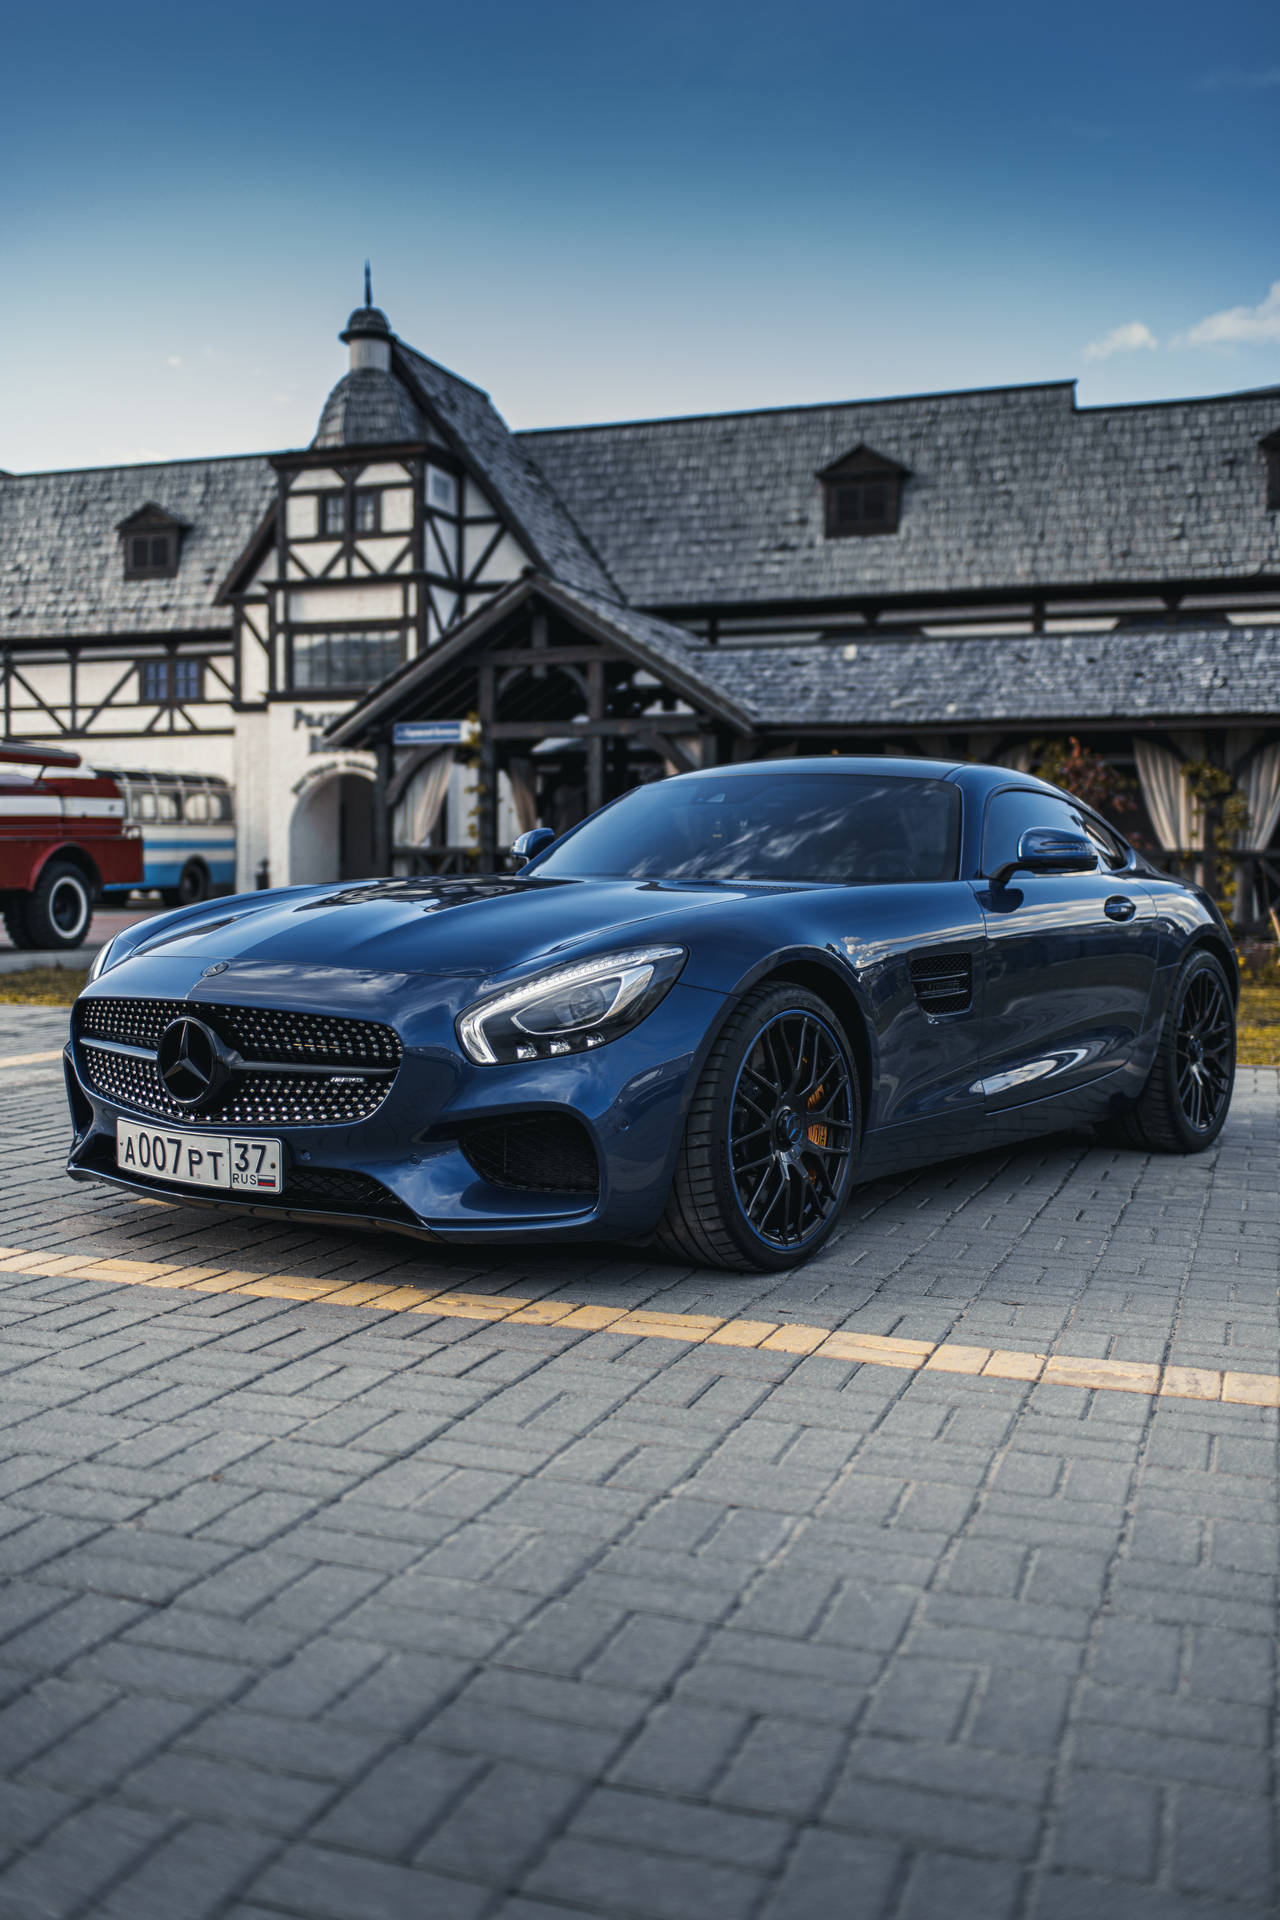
192, 887
59, 907
767, 1157
1183, 1107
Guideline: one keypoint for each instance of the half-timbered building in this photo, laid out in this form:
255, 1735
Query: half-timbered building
424, 631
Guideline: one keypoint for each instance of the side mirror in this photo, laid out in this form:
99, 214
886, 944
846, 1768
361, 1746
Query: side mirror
1049, 850
531, 844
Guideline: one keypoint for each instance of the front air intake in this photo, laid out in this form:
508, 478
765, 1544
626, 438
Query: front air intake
943, 982
535, 1153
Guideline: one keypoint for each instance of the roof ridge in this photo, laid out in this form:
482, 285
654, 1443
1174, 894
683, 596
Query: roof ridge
441, 368
802, 406
140, 466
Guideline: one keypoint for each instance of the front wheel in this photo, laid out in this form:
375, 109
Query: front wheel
767, 1157
59, 906
1183, 1107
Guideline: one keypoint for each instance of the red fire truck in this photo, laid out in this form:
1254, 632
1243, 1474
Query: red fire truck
62, 838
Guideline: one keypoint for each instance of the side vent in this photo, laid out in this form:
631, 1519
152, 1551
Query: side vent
943, 981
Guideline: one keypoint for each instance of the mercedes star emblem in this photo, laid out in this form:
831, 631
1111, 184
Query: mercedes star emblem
191, 1063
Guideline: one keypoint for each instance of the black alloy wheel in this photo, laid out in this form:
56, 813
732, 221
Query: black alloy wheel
1184, 1105
1205, 1051
769, 1147
791, 1129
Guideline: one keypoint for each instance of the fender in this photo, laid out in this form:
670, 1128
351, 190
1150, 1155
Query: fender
70, 851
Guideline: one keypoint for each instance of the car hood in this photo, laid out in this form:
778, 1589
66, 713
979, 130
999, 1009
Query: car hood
482, 927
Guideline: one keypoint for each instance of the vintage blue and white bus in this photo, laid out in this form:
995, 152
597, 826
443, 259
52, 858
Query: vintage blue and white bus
188, 832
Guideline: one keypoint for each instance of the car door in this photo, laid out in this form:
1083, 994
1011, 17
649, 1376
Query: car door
1070, 958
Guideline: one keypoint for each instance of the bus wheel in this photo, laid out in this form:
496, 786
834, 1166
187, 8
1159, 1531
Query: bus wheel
192, 887
59, 906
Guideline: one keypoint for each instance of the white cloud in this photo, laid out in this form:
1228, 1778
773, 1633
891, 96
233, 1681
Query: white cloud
1125, 339
1235, 324
175, 359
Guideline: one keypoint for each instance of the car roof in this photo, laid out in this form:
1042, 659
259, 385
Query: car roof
838, 763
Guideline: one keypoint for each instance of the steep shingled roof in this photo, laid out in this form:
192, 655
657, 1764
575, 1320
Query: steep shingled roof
510, 474
61, 568
366, 408
1010, 488
1139, 674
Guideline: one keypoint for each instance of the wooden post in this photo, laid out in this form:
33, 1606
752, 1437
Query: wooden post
595, 741
486, 705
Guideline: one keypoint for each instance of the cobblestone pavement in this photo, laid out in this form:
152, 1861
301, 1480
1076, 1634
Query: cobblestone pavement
316, 1611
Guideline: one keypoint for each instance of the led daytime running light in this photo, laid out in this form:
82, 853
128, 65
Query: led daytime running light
635, 969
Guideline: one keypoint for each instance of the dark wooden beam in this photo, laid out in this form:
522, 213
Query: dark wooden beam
547, 656
595, 739
668, 750
585, 729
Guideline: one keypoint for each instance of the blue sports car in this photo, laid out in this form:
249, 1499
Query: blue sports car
696, 1020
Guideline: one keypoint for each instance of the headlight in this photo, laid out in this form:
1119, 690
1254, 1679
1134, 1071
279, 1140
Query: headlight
102, 959
569, 1009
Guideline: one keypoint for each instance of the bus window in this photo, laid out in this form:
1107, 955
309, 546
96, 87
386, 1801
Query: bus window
195, 808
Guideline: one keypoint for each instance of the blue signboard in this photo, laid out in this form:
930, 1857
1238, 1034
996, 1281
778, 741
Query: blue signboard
432, 733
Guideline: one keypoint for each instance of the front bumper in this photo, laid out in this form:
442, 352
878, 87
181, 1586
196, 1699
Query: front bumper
630, 1097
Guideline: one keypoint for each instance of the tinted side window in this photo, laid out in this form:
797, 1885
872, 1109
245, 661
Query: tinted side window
1109, 846
1009, 814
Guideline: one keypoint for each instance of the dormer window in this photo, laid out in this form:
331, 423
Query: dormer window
862, 494
152, 540
1271, 454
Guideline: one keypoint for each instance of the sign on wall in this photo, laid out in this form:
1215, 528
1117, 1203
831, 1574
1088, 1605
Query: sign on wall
434, 733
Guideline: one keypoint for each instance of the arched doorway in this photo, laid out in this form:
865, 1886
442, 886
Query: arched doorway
331, 833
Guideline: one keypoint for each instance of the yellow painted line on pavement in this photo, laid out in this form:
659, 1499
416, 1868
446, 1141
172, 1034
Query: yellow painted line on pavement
30, 1059
695, 1329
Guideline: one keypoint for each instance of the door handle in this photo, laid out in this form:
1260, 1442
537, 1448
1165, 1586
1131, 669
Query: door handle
1119, 907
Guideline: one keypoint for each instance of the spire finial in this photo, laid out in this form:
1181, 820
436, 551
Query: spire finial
368, 285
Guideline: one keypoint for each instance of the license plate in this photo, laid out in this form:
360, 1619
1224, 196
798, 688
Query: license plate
198, 1159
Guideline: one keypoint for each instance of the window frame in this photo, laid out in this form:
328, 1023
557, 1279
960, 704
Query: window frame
849, 482
322, 640
167, 668
162, 560
1271, 458
370, 497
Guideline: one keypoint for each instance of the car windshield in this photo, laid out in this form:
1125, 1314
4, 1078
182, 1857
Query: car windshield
836, 827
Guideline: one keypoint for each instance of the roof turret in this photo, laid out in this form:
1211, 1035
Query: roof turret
369, 405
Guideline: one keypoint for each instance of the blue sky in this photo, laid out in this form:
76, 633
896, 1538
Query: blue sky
603, 211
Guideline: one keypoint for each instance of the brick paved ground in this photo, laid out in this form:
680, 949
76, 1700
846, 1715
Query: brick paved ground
320, 1612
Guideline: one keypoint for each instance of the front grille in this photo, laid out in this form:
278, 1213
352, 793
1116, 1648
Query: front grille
256, 1033
253, 1100
539, 1153
943, 982
262, 1035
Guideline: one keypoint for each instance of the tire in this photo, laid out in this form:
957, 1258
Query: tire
192, 887
15, 922
1184, 1105
771, 1201
59, 906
